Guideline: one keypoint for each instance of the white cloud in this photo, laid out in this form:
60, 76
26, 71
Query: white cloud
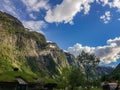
35, 25
116, 4
78, 48
64, 12
106, 17
112, 3
107, 54
32, 16
36, 5
7, 6
103, 2
67, 10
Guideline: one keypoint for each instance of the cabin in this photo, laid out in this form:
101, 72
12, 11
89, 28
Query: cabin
111, 86
36, 86
21, 84
39, 86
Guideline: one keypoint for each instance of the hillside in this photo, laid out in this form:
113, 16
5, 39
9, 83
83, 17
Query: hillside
27, 51
30, 54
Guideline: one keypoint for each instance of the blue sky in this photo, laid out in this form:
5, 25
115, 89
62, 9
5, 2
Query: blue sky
75, 25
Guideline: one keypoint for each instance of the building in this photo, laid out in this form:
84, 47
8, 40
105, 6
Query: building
21, 84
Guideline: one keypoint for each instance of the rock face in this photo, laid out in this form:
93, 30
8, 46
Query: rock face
117, 69
28, 50
103, 70
71, 59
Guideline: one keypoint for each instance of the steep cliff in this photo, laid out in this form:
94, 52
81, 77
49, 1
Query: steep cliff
27, 50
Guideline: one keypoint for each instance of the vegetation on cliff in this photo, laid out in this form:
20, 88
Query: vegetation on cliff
26, 50
27, 54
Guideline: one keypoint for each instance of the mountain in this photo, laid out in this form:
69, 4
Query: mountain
103, 70
113, 76
28, 52
117, 69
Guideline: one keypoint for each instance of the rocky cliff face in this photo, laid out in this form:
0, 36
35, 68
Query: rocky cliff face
28, 50
104, 70
117, 69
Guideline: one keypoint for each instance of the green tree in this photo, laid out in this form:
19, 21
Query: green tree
71, 77
89, 62
76, 78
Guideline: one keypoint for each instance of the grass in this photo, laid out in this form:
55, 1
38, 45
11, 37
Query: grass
80, 89
96, 89
10, 76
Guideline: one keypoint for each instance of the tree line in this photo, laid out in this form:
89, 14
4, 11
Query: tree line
82, 77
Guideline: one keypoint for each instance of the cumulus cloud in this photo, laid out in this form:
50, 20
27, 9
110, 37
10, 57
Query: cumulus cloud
35, 25
67, 10
107, 54
36, 5
106, 17
64, 12
78, 48
111, 3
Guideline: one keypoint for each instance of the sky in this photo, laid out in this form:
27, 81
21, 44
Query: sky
92, 26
